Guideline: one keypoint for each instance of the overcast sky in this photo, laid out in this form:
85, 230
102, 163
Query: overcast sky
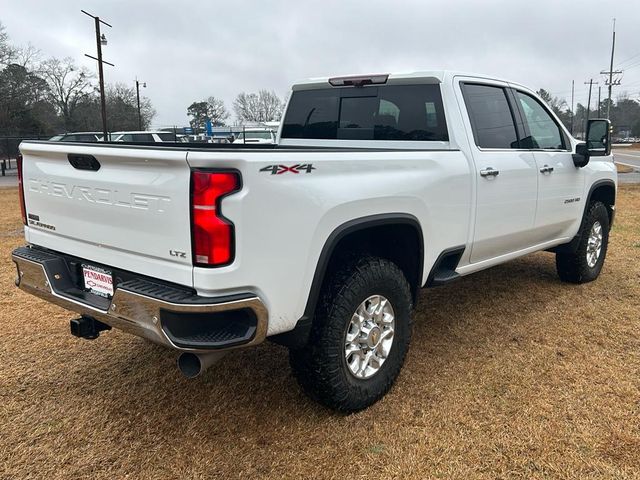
187, 51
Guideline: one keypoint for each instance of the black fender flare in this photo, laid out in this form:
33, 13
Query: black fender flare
597, 184
572, 246
299, 335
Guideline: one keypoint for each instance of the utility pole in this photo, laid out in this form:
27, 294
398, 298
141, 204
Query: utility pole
599, 89
144, 85
100, 40
590, 83
573, 113
610, 83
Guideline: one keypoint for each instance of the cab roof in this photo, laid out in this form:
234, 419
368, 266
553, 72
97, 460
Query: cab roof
399, 78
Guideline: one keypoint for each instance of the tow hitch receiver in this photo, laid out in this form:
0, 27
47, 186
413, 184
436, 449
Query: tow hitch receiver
87, 327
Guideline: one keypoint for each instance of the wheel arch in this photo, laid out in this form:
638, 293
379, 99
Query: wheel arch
605, 192
403, 228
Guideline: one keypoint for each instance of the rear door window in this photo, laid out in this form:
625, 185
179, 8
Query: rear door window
389, 112
491, 117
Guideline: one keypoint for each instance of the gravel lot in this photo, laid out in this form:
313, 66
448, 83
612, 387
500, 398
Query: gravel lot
511, 374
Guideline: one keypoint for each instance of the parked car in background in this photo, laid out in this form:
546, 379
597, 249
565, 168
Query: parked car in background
256, 136
146, 137
83, 137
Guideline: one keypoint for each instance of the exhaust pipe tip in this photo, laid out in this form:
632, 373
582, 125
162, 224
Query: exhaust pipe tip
189, 364
193, 364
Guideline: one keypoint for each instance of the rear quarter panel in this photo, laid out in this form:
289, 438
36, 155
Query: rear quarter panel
283, 220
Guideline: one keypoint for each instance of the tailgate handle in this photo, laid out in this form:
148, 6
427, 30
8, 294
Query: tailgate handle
83, 162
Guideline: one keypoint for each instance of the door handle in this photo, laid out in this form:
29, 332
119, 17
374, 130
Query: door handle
546, 169
489, 172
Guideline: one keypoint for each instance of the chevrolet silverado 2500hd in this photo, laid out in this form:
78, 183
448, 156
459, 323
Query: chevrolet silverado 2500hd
378, 185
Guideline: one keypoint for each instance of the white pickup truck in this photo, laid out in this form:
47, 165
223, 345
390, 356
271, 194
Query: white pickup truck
379, 185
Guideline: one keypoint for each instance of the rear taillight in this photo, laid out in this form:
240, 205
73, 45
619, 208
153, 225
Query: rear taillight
212, 234
23, 209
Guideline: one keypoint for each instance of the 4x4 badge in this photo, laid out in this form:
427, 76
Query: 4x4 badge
280, 169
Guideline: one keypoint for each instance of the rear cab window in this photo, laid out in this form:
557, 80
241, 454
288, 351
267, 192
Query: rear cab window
384, 112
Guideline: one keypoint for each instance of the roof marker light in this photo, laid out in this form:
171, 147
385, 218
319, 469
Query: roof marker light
359, 81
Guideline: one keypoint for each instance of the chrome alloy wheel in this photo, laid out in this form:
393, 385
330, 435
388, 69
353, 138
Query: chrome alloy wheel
594, 244
369, 336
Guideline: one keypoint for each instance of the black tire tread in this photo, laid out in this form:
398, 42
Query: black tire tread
572, 267
318, 366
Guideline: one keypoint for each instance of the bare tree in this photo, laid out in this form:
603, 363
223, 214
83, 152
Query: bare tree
68, 85
7, 52
27, 57
217, 112
263, 106
246, 106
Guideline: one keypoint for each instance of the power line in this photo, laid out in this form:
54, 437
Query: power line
628, 58
633, 65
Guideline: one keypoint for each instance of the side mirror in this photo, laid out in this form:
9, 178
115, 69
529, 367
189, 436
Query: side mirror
598, 142
599, 137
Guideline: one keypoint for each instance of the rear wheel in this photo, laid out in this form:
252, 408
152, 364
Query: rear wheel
584, 265
359, 337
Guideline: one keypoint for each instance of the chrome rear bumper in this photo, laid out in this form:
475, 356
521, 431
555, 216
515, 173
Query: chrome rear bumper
138, 306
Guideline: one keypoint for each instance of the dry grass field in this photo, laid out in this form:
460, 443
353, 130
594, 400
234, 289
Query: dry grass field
511, 374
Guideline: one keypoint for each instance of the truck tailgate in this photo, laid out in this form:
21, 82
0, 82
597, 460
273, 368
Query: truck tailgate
132, 212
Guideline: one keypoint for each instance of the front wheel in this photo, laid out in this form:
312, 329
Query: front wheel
584, 265
359, 338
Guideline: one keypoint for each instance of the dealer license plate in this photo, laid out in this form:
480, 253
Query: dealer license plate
98, 280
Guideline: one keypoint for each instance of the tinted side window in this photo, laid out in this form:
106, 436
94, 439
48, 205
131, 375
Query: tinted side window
407, 112
167, 137
80, 138
490, 115
543, 130
142, 137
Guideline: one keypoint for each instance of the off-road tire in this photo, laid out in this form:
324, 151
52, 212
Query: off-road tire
572, 267
320, 367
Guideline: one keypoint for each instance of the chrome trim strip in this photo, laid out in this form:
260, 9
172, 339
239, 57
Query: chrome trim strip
132, 312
